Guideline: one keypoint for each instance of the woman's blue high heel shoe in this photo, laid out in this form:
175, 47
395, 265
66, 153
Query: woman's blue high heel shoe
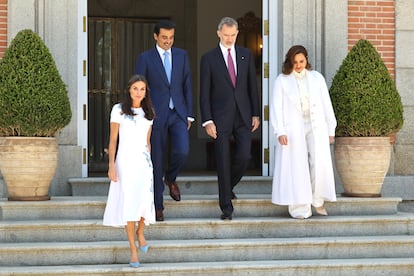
134, 264
144, 248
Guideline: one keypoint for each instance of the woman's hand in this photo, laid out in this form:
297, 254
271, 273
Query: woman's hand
283, 140
113, 176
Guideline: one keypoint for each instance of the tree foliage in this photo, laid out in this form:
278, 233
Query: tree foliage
364, 96
33, 98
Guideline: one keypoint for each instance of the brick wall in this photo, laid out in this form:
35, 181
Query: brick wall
3, 27
374, 21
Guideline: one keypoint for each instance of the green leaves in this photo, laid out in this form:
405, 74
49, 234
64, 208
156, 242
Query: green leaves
33, 97
364, 96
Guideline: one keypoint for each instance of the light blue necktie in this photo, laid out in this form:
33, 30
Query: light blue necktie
167, 67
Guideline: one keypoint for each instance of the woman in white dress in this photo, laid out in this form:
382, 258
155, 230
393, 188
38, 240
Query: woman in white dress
304, 123
131, 199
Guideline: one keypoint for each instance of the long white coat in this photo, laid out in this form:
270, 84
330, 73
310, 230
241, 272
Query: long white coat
291, 181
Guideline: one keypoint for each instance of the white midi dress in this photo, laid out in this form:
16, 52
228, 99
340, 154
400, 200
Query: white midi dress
132, 196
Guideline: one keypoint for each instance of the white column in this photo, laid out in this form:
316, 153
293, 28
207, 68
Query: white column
82, 83
272, 49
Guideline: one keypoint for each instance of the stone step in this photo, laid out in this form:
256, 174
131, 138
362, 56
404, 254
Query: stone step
204, 228
207, 250
65, 236
394, 185
189, 185
191, 206
327, 267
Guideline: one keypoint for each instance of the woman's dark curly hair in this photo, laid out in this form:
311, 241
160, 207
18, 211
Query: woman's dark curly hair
146, 103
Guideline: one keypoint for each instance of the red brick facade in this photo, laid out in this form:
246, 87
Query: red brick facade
374, 20
3, 27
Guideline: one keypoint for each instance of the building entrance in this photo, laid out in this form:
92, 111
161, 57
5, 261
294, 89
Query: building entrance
119, 31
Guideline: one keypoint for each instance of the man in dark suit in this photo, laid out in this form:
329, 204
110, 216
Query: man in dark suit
167, 70
229, 103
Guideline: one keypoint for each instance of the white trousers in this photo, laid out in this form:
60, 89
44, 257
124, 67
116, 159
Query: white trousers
305, 210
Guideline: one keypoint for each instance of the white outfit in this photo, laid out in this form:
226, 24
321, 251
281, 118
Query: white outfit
132, 196
301, 109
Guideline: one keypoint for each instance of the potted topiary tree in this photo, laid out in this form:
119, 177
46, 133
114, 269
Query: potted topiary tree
34, 106
368, 109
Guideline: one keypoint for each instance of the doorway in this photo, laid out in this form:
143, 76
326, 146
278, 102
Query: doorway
112, 44
118, 32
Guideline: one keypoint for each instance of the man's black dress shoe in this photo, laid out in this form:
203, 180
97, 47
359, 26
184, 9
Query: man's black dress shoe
159, 215
174, 190
224, 217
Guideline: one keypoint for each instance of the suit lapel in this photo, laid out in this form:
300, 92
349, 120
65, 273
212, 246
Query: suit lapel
240, 62
156, 59
223, 66
174, 61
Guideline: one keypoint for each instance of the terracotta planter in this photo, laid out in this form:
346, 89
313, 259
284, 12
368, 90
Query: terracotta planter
28, 166
393, 137
362, 163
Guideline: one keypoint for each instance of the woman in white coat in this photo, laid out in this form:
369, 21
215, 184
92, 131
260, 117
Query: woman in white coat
304, 124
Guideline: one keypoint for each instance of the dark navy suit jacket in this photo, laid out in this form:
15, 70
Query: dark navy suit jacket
218, 97
150, 65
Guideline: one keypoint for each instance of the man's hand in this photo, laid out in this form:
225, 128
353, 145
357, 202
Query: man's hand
211, 130
255, 123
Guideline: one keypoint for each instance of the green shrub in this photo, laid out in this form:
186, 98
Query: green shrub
33, 97
364, 96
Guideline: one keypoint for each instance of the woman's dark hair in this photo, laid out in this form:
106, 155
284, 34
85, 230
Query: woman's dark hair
287, 67
164, 24
146, 103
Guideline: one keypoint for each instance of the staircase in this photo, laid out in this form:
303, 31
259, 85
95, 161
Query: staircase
65, 236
